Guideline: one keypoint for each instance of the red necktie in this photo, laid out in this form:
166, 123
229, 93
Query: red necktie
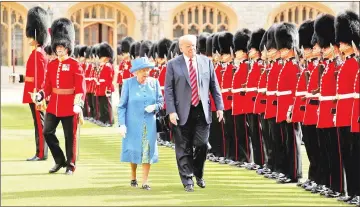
193, 83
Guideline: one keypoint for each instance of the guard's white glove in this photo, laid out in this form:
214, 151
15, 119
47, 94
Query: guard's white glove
288, 114
150, 108
334, 119
77, 109
36, 97
122, 131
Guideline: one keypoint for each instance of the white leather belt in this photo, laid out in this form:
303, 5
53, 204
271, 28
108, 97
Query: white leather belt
261, 90
238, 90
327, 98
225, 90
250, 89
270, 93
345, 96
162, 87
300, 93
87, 79
357, 95
101, 80
310, 95
283, 93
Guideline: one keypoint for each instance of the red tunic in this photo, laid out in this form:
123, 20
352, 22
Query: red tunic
260, 102
301, 91
69, 75
226, 85
126, 69
344, 91
41, 62
119, 79
310, 115
355, 116
88, 69
327, 92
161, 79
239, 79
270, 110
217, 70
251, 87
286, 87
105, 79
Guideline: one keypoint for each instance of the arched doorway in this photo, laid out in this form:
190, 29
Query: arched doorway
98, 22
195, 18
14, 49
297, 12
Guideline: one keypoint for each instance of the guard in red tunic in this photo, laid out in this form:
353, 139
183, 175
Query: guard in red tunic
226, 45
273, 55
330, 158
347, 30
355, 116
65, 83
242, 142
153, 57
125, 64
286, 36
37, 32
82, 60
105, 86
88, 106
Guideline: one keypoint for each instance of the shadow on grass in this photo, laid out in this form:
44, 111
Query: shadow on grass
30, 174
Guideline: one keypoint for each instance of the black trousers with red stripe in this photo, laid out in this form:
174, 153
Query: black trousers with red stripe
350, 147
256, 139
278, 140
216, 136
268, 144
93, 106
311, 142
324, 156
106, 113
41, 146
69, 124
230, 148
88, 106
293, 166
242, 138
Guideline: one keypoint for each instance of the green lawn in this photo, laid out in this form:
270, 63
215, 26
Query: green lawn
100, 179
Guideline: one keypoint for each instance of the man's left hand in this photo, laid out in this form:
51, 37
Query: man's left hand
220, 115
77, 109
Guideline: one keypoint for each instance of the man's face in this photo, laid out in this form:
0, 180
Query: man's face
61, 50
188, 47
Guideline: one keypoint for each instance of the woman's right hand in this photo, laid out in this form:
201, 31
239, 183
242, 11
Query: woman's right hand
122, 131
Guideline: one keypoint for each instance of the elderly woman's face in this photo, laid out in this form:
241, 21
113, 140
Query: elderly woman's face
143, 73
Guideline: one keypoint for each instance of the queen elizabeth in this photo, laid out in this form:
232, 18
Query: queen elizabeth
140, 100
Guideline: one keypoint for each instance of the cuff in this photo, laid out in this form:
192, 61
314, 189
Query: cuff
78, 100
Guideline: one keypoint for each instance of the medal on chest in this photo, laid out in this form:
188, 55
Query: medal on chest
65, 67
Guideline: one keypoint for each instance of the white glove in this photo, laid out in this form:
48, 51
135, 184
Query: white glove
77, 109
36, 97
150, 108
334, 119
122, 131
288, 116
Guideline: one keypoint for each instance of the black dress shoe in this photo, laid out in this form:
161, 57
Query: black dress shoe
286, 180
145, 187
189, 188
345, 198
332, 194
200, 182
354, 201
57, 167
69, 171
35, 158
133, 183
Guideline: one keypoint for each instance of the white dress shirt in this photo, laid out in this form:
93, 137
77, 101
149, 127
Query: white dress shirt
195, 65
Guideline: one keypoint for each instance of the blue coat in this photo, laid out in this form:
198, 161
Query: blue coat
139, 145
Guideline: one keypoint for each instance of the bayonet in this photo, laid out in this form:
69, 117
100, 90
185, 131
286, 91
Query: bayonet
231, 53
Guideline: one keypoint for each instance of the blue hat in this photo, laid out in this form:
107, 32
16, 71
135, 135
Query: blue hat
141, 63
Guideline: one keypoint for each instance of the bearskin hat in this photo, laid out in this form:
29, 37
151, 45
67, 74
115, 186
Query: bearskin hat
118, 49
125, 44
171, 49
255, 39
306, 31
63, 33
325, 30
225, 42
135, 49
153, 50
177, 49
201, 43
105, 50
37, 19
88, 52
76, 51
209, 45
240, 40
215, 43
347, 28
270, 42
145, 48
163, 47
263, 42
95, 50
287, 36
82, 50
48, 50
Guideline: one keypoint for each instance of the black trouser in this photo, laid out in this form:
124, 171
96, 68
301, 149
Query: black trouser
242, 136
88, 106
216, 136
41, 146
120, 87
93, 109
69, 124
195, 132
229, 135
164, 132
256, 139
293, 169
106, 115
324, 157
278, 140
268, 145
311, 142
350, 146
